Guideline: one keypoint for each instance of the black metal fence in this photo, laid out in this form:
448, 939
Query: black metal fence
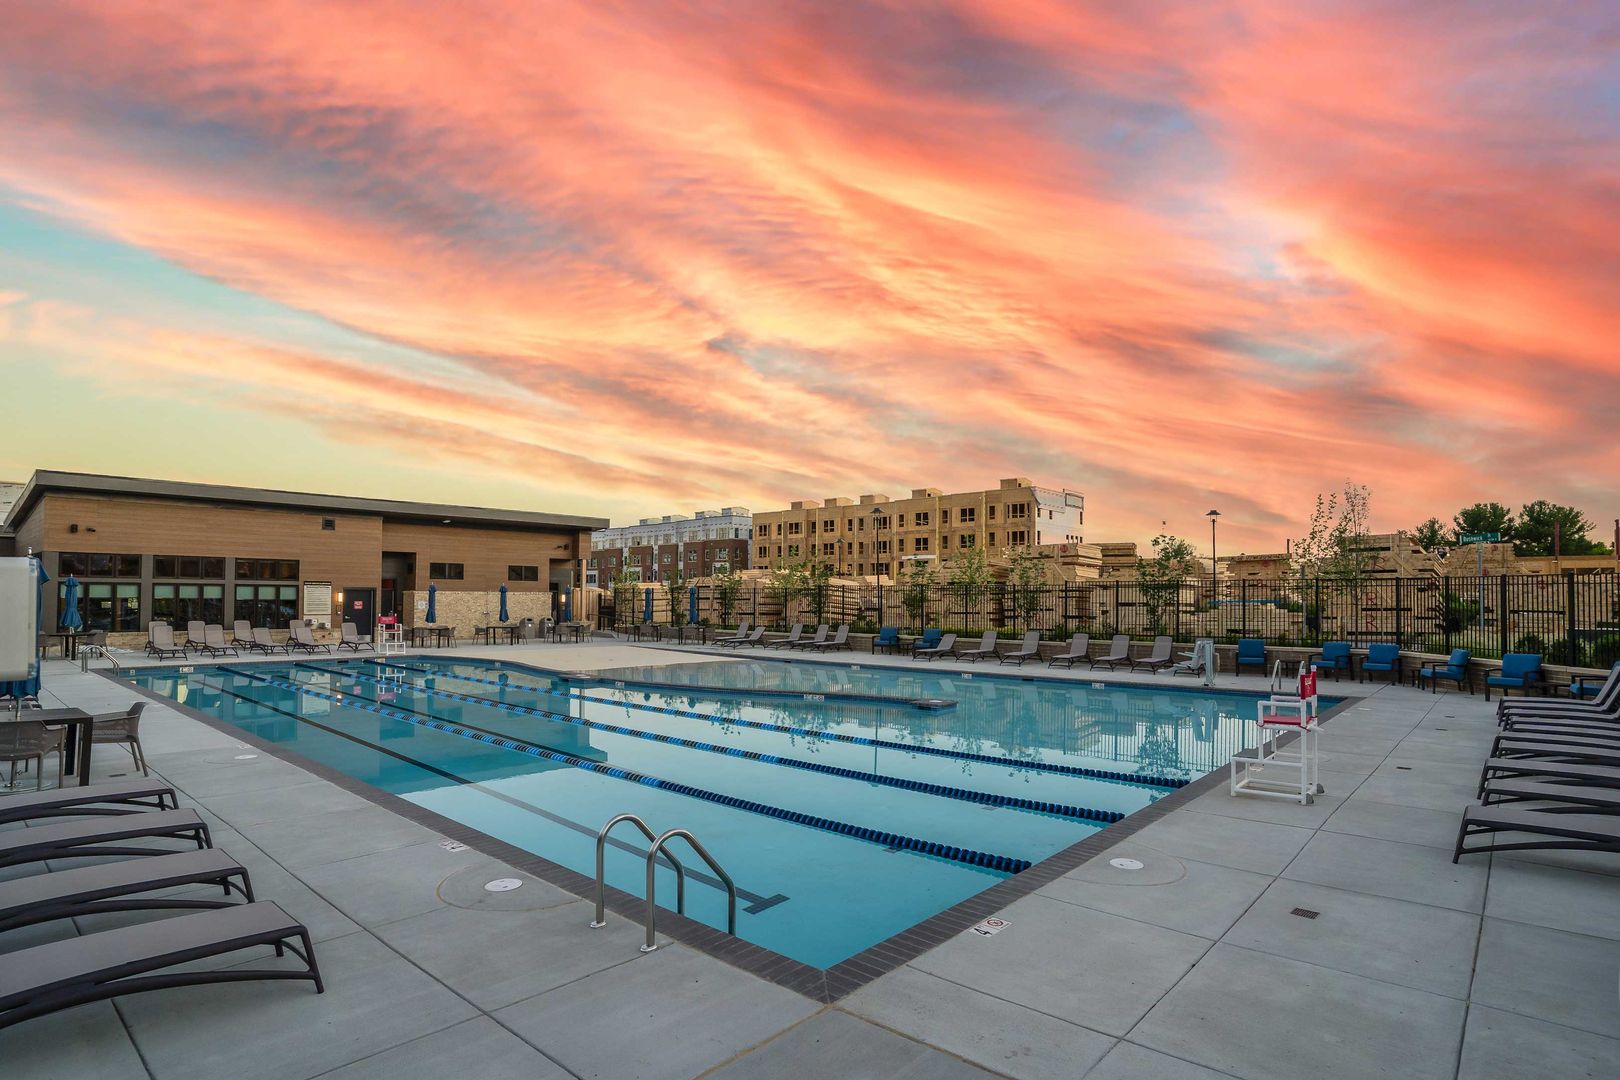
1570, 618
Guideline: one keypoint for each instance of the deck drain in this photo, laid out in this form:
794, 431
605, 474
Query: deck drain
245, 757
1403, 768
1125, 864
452, 845
503, 884
1305, 913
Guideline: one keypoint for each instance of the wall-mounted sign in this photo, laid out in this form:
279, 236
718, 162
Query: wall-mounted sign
318, 603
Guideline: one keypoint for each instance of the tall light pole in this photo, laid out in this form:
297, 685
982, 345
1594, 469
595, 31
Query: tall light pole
1214, 594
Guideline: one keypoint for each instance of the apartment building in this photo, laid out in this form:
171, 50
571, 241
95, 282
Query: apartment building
708, 542
872, 535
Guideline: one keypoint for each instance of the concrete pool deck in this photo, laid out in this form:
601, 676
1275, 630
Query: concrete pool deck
1195, 965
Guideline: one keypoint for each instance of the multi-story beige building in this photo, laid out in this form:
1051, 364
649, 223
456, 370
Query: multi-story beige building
872, 535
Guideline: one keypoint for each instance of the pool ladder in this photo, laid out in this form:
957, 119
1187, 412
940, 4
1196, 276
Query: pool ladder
658, 844
87, 651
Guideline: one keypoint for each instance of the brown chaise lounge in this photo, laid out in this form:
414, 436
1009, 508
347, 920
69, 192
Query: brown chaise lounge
115, 797
93, 837
116, 886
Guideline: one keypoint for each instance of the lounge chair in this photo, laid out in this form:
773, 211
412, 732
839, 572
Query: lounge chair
1029, 650
1079, 646
149, 956
113, 798
214, 643
116, 886
929, 640
95, 836
1586, 686
1192, 663
806, 643
755, 637
196, 630
31, 740
791, 640
1453, 670
1552, 748
242, 634
1159, 658
1603, 798
1558, 830
1119, 652
1572, 772
946, 647
887, 640
351, 638
1606, 725
741, 634
1519, 671
987, 647
1382, 657
839, 640
122, 729
263, 642
1251, 652
160, 641
302, 639
1605, 703
1334, 657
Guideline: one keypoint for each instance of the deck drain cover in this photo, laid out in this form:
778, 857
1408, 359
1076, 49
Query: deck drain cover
1403, 768
452, 845
1125, 864
504, 884
245, 757
1305, 913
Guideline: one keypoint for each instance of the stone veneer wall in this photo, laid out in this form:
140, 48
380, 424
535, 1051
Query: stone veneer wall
465, 610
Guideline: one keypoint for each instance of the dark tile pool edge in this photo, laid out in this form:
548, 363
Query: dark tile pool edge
825, 985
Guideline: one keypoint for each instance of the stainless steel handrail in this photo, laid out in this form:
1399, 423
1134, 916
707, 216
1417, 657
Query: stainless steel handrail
85, 652
601, 868
652, 908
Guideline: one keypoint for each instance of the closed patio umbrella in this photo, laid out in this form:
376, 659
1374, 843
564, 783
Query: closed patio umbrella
433, 600
71, 619
504, 615
646, 611
691, 604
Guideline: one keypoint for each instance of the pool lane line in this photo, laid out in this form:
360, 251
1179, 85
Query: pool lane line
971, 857
1108, 775
757, 903
944, 791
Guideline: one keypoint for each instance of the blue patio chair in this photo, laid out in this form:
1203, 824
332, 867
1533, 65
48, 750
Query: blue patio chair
1251, 653
929, 640
1383, 657
1454, 669
1585, 686
1520, 671
1334, 657
888, 639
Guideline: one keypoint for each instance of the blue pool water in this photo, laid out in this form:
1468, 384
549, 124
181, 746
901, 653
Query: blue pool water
845, 811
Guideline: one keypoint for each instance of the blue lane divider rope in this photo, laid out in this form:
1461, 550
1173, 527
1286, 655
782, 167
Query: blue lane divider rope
945, 791
830, 736
1003, 863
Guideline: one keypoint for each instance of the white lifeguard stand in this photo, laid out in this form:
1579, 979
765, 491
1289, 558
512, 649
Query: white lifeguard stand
390, 636
1269, 769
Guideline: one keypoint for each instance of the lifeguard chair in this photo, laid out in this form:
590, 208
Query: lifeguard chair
1271, 769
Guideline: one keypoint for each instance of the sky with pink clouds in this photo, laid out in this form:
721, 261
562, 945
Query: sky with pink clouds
632, 258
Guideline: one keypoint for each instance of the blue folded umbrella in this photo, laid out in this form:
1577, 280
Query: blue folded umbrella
433, 600
504, 616
71, 619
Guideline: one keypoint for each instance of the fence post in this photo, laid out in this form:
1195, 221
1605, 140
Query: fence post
1569, 618
1320, 621
1243, 607
1501, 614
1445, 611
1398, 636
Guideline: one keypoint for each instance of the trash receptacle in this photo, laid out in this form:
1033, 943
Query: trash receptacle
526, 629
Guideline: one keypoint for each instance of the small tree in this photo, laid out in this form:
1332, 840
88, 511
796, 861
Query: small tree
788, 583
970, 578
1334, 548
817, 579
1160, 577
727, 587
1431, 534
624, 597
1026, 573
673, 582
917, 582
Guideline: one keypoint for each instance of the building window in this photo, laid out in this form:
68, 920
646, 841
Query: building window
922, 517
1017, 510
882, 547
98, 564
764, 552
967, 514
793, 551
691, 556
966, 540
446, 571
527, 573
106, 605
795, 527
991, 540
1018, 538
762, 530
187, 566
270, 606
828, 549
902, 548
267, 569
665, 559
881, 523
829, 525
183, 603
921, 544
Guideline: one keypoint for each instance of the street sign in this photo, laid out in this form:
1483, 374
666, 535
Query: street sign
1480, 538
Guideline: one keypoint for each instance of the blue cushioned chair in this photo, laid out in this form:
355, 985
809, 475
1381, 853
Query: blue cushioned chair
1251, 653
1334, 657
1383, 657
1455, 670
1585, 686
1520, 671
930, 639
888, 638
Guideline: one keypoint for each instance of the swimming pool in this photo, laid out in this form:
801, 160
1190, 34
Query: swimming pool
847, 804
